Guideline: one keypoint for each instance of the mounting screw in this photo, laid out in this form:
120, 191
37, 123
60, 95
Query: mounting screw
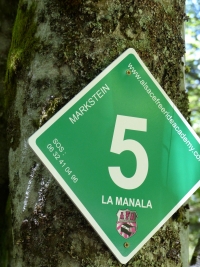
126, 244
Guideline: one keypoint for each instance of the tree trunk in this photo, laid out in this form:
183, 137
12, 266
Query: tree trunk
195, 260
58, 47
7, 15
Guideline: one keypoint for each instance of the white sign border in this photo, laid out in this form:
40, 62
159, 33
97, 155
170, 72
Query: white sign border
67, 189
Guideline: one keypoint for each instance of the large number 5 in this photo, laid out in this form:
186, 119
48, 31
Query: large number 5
119, 145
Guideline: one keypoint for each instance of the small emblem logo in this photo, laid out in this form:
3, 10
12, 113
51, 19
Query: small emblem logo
126, 224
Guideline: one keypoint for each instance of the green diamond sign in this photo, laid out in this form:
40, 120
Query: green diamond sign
123, 153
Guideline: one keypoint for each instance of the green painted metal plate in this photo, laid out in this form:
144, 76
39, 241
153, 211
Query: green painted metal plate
123, 153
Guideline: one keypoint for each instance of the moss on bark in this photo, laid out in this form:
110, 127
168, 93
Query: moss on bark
23, 46
7, 16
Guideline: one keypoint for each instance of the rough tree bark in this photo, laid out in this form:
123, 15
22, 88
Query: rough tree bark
7, 16
58, 47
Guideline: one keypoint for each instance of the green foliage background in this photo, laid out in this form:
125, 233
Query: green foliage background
193, 60
192, 31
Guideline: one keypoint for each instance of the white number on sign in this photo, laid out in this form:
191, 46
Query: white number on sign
119, 145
